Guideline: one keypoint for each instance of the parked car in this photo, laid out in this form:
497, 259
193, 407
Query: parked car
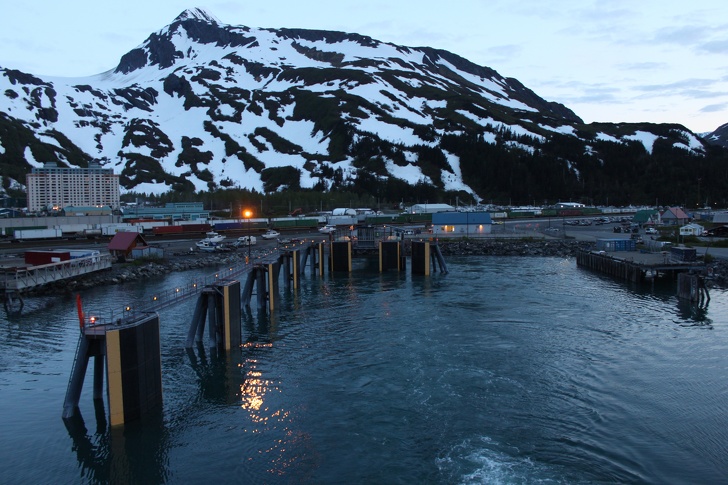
650, 230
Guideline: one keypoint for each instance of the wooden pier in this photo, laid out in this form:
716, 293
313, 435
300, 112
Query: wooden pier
16, 279
641, 267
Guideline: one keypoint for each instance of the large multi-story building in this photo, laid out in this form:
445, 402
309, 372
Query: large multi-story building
54, 188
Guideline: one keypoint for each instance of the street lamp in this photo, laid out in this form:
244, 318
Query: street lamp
247, 213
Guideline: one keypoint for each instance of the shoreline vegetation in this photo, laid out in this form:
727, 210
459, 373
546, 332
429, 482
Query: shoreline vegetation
175, 261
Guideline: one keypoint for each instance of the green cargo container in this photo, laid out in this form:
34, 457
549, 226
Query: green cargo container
379, 219
294, 223
410, 218
309, 223
283, 224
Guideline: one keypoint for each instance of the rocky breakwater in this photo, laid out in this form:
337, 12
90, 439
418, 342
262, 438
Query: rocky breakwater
718, 273
514, 247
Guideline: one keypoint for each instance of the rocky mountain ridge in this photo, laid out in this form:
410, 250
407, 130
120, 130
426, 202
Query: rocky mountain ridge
202, 105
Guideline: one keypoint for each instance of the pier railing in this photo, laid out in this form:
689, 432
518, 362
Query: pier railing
22, 278
172, 296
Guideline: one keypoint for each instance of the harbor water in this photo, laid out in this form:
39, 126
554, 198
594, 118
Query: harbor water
506, 370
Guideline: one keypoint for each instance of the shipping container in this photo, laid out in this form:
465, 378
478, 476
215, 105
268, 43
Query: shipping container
25, 234
379, 219
192, 222
342, 221
111, 229
616, 245
10, 231
194, 228
167, 230
294, 222
72, 228
37, 258
147, 224
228, 225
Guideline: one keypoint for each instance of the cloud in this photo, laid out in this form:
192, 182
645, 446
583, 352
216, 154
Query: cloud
714, 108
643, 66
714, 46
685, 34
677, 85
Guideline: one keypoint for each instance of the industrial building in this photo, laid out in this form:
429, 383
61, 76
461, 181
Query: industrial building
461, 224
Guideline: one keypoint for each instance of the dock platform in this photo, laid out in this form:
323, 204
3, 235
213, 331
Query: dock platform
636, 266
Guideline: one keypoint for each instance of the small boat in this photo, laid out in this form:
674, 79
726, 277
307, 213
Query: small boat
214, 237
327, 229
207, 246
271, 234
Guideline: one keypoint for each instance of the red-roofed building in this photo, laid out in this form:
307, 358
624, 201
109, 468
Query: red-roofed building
122, 244
674, 216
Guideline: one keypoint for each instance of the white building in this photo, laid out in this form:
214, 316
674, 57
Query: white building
692, 230
59, 187
430, 208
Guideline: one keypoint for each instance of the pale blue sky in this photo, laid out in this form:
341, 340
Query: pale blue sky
658, 61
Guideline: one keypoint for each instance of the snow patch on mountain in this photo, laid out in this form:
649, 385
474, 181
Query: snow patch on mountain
647, 139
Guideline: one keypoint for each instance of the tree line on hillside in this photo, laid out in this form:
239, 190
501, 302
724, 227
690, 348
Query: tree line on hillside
560, 169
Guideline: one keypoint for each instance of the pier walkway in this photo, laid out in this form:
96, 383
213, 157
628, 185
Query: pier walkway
16, 279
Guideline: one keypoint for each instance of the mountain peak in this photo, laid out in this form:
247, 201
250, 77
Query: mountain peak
197, 13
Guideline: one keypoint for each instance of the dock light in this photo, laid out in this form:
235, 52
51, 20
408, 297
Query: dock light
92, 320
128, 308
154, 299
194, 285
177, 290
247, 213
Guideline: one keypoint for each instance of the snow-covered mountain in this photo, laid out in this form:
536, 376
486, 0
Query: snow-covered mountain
203, 105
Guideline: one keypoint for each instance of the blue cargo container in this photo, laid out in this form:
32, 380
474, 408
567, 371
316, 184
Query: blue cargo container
616, 244
226, 226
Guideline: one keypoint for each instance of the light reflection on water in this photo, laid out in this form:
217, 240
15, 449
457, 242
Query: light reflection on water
505, 370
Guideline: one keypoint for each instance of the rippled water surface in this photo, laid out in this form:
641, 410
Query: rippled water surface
505, 370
